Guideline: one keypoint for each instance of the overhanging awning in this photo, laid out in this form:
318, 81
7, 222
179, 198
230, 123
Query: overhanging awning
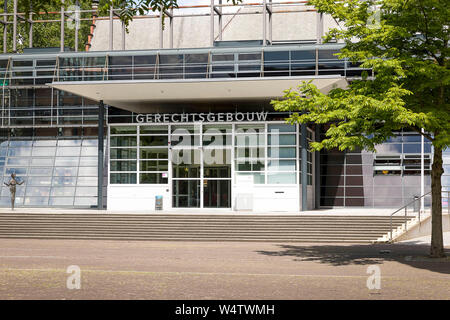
143, 95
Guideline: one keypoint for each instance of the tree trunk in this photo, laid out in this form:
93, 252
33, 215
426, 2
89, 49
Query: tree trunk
437, 243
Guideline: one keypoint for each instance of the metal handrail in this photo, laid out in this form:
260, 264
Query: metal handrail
405, 207
419, 211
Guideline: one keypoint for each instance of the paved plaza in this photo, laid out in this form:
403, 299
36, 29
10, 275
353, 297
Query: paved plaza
37, 269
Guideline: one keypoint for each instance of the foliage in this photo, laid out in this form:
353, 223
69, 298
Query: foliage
408, 52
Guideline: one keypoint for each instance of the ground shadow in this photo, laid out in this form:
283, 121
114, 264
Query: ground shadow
414, 255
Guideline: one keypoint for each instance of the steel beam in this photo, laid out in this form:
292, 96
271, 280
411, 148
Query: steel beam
101, 117
304, 166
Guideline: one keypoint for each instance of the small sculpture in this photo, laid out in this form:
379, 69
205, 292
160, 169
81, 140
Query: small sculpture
12, 188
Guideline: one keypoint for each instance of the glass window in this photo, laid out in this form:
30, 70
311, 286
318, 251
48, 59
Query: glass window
258, 178
18, 161
42, 162
87, 171
152, 178
123, 141
91, 201
281, 178
282, 165
38, 191
40, 171
88, 161
153, 129
255, 152
63, 192
115, 166
250, 165
63, 201
116, 153
281, 128
250, 140
87, 181
68, 151
161, 165
282, 139
89, 151
65, 171
155, 153
154, 141
67, 161
39, 181
122, 178
282, 152
42, 151
19, 152
86, 192
69, 143
123, 130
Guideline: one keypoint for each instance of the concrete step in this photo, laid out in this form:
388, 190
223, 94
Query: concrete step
196, 228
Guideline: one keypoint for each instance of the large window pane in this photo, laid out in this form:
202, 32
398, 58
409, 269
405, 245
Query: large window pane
122, 178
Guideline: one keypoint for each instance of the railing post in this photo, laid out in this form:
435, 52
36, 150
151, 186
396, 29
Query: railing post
390, 222
406, 220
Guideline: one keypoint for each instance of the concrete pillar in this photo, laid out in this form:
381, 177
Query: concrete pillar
264, 25
123, 35
171, 28
30, 35
304, 166
161, 35
111, 29
62, 28
101, 117
319, 27
220, 23
15, 27
270, 22
77, 24
5, 26
317, 170
211, 24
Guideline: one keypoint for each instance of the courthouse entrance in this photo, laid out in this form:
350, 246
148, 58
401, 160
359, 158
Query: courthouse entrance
201, 167
239, 165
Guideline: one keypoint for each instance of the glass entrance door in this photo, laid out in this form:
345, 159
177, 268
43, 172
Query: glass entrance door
201, 166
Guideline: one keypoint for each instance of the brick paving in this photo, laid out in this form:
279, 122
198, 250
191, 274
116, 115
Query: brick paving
36, 269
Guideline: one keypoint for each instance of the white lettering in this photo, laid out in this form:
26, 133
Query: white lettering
239, 116
140, 118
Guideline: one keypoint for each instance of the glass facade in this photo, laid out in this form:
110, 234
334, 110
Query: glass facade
202, 161
48, 137
60, 171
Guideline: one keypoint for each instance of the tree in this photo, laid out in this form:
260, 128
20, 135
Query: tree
406, 46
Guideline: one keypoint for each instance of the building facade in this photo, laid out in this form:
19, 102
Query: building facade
189, 128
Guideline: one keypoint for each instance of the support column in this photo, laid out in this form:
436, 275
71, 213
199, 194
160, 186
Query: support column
161, 35
101, 117
319, 27
270, 22
5, 26
123, 35
211, 24
304, 166
220, 22
264, 12
77, 16
30, 35
111, 29
317, 170
15, 27
62, 28
171, 28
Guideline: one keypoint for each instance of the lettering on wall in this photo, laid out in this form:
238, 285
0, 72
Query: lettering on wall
204, 117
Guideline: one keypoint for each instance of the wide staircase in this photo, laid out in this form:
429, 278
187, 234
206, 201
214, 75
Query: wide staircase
172, 227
